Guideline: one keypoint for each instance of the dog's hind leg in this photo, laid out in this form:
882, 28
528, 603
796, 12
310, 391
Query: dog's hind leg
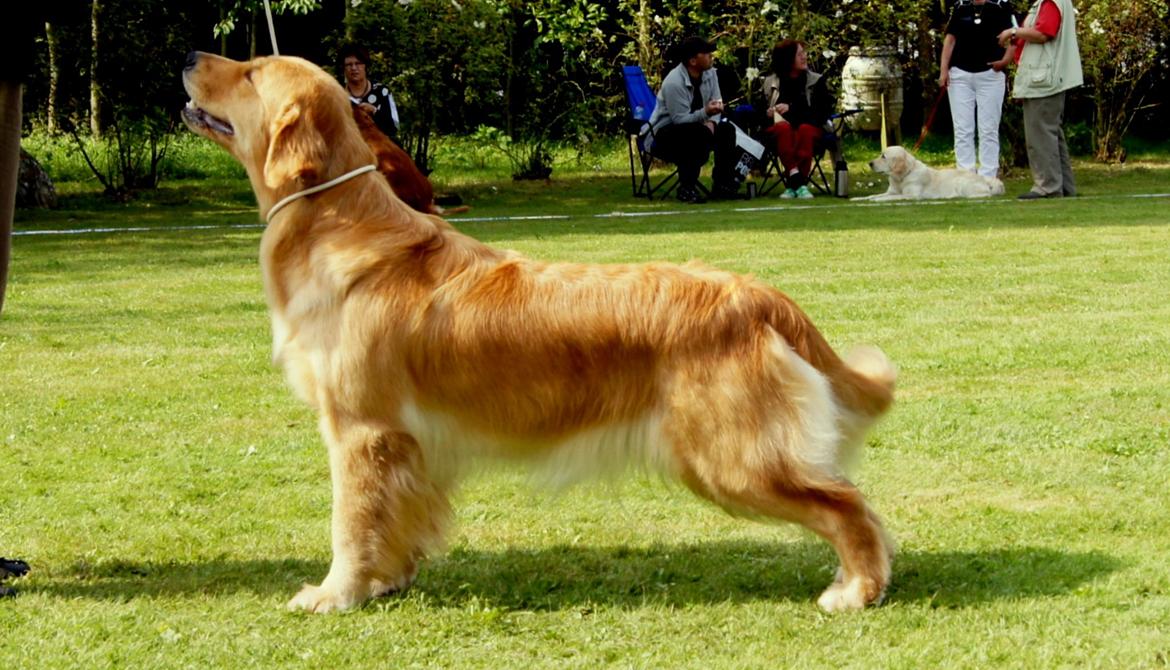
387, 513
764, 442
835, 510
839, 513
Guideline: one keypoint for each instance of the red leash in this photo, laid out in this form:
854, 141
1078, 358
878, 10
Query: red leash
930, 119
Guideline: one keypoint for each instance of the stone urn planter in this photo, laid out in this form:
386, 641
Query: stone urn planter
868, 74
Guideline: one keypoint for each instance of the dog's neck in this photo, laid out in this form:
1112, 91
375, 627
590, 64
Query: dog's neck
283, 202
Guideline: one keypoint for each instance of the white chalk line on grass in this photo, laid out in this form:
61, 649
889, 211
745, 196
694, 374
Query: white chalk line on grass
604, 215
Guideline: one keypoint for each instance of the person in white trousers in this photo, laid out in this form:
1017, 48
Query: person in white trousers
972, 72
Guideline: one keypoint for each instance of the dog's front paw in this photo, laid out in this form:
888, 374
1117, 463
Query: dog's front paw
320, 600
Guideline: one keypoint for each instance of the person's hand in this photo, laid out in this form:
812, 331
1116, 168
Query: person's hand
999, 65
944, 78
714, 107
781, 108
367, 108
1004, 37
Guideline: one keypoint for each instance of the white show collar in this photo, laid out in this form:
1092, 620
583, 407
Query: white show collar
319, 187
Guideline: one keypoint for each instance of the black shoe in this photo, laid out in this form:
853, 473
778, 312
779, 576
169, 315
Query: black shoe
690, 194
1032, 195
11, 567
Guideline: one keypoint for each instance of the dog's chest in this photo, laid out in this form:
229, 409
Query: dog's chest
295, 360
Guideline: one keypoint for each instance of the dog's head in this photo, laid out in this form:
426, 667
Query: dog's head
894, 161
283, 118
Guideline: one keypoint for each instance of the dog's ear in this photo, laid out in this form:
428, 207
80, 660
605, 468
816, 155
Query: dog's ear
900, 164
296, 151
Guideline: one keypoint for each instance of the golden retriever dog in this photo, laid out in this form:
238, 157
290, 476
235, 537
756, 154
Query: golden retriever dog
424, 352
911, 179
408, 182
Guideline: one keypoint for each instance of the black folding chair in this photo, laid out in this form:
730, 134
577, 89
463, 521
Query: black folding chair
830, 142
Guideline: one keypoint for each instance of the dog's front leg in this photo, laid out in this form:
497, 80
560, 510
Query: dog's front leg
386, 514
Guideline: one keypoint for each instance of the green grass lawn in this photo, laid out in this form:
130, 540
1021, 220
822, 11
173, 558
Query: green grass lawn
171, 494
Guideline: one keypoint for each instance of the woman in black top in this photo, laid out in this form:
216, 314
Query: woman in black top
799, 105
371, 97
972, 72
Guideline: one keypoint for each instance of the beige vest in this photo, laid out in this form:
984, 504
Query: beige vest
1055, 66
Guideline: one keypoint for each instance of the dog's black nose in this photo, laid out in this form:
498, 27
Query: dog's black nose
192, 59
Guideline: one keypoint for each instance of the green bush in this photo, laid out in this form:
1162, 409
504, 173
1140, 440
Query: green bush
188, 157
1079, 137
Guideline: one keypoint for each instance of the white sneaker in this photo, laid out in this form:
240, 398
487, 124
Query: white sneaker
803, 193
788, 194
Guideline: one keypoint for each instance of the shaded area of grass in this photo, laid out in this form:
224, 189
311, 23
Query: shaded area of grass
570, 577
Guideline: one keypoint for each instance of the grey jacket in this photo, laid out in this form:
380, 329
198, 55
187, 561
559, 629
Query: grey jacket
674, 98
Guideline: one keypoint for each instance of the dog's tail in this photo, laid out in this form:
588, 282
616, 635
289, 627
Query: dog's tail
448, 211
865, 383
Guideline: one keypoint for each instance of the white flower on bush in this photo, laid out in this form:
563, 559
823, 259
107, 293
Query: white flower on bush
769, 7
839, 14
458, 7
479, 24
752, 73
1096, 28
405, 3
829, 54
354, 3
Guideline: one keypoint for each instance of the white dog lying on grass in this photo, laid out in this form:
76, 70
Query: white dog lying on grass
911, 179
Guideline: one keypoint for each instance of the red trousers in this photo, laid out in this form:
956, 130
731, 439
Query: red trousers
795, 148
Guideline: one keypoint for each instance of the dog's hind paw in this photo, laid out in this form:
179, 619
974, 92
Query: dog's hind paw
842, 596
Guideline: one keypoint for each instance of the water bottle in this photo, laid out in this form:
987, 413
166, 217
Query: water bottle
841, 179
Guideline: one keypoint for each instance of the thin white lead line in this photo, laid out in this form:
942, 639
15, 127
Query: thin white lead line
604, 215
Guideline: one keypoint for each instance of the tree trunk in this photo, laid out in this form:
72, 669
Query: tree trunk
252, 36
95, 89
223, 39
648, 56
54, 78
10, 96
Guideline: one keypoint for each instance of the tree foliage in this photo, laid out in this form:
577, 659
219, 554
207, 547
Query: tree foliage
538, 71
1123, 48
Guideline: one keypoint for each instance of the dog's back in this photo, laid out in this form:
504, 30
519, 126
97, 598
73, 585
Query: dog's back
409, 184
955, 183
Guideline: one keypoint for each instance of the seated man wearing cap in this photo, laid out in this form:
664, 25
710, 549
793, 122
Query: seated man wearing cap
686, 119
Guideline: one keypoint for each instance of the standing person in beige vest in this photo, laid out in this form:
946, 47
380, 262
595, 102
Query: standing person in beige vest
1048, 64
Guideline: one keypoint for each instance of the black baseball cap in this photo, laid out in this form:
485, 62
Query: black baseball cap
693, 46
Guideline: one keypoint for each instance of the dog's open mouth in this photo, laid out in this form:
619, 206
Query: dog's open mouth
199, 118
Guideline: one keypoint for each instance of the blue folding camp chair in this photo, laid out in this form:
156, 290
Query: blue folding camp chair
641, 105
